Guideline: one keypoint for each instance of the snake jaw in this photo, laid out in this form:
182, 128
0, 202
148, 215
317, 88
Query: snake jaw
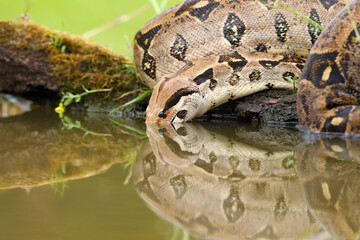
185, 110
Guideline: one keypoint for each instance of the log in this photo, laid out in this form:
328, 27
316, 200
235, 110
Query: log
265, 106
38, 62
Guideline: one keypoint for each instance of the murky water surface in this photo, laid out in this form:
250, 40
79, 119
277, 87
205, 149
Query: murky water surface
87, 177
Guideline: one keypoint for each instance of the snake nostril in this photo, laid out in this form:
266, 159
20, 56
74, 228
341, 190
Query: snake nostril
162, 131
162, 115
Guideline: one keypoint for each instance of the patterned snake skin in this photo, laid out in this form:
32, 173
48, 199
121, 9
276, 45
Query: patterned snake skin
202, 53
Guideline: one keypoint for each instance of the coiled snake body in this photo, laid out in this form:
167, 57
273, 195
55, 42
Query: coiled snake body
202, 53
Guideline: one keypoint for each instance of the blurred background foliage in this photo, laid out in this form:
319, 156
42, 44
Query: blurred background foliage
80, 16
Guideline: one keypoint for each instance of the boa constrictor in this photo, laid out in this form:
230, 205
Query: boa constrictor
202, 53
219, 186
329, 91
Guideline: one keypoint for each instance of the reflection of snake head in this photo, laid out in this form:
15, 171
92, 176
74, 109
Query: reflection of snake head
183, 145
173, 144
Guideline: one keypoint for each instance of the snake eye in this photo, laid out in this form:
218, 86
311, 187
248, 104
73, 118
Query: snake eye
162, 115
182, 114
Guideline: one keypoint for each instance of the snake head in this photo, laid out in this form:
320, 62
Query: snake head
173, 100
187, 94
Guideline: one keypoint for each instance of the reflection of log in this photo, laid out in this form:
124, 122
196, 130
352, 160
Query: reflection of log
36, 60
35, 152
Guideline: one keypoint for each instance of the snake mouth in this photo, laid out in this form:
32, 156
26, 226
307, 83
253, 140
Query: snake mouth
172, 120
167, 123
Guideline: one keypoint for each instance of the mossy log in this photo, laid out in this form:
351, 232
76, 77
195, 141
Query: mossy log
39, 62
35, 60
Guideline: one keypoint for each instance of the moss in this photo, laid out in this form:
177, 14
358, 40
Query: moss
32, 56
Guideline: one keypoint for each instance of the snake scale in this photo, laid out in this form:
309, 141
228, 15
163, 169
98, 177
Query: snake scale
329, 90
200, 54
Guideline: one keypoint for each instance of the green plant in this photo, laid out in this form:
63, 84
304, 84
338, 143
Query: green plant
294, 81
179, 233
143, 94
136, 130
353, 23
311, 230
274, 4
69, 124
131, 154
117, 21
57, 39
158, 8
69, 97
58, 183
290, 163
129, 68
357, 235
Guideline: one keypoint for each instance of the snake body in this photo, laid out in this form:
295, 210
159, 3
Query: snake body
329, 90
200, 54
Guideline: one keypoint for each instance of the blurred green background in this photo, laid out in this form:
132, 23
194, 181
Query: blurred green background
80, 16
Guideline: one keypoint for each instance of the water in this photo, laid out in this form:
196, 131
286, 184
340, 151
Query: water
59, 184
86, 177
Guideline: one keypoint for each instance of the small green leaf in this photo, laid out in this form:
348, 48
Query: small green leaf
289, 79
302, 17
289, 163
85, 89
63, 48
78, 124
68, 101
139, 131
155, 6
63, 169
139, 98
163, 5
56, 42
69, 95
67, 120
